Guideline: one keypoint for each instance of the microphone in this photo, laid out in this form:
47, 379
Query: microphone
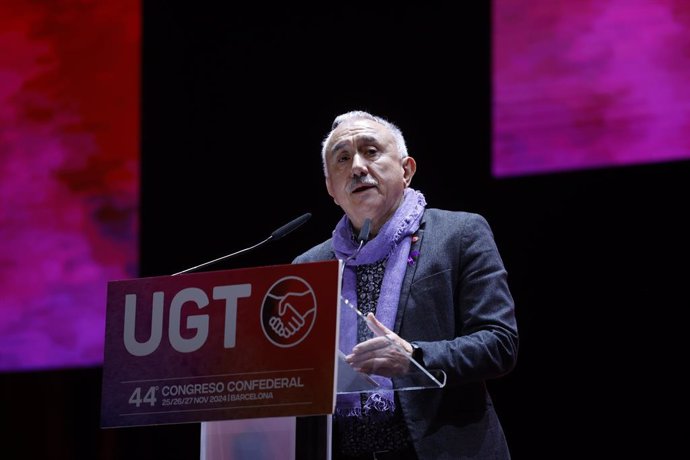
276, 235
363, 237
289, 227
364, 232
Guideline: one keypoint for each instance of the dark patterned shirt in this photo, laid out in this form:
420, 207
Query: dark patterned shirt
373, 431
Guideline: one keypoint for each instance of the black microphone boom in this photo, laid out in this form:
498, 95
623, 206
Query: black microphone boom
362, 238
290, 226
276, 235
364, 232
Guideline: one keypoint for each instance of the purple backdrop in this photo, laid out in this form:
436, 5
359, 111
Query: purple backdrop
589, 83
69, 163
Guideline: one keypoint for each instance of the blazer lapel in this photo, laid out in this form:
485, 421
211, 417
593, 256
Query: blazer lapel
409, 276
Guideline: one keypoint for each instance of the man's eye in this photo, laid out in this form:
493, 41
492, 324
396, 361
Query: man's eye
343, 158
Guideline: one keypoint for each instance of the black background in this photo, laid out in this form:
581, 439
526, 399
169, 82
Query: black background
235, 103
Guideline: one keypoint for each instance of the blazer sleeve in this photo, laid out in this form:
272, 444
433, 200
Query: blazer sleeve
463, 300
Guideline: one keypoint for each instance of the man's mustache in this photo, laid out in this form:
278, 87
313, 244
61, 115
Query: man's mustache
362, 181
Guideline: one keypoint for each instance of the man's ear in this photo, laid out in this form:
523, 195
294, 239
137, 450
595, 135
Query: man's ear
330, 191
409, 168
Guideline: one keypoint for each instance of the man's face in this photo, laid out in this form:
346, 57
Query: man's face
366, 175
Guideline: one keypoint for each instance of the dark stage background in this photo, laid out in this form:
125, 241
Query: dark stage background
235, 104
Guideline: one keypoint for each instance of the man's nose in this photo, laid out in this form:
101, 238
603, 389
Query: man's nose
359, 165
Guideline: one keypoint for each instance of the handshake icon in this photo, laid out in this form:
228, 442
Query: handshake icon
292, 314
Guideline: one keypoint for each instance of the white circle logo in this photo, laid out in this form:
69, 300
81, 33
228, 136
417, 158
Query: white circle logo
288, 311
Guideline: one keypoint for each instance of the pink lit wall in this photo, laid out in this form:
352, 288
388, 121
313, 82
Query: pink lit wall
69, 174
589, 83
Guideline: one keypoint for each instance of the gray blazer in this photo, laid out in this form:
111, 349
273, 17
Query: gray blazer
455, 304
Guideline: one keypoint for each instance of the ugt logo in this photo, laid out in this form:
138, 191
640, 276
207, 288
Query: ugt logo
288, 311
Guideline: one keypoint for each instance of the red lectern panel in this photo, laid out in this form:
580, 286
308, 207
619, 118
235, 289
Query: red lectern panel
232, 344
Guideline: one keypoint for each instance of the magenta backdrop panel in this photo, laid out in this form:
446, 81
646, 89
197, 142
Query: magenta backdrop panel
69, 175
589, 83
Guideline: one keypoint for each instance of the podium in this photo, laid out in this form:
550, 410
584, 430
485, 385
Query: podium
251, 354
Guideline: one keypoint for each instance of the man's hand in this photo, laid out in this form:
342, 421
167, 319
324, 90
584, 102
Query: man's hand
387, 354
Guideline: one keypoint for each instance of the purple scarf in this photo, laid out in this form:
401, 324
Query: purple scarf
393, 243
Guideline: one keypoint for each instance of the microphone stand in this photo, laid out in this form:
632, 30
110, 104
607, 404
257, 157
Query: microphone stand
223, 257
276, 235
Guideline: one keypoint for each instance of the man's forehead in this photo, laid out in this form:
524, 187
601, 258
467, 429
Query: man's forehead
358, 130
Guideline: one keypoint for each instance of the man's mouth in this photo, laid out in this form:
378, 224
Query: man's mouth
362, 188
